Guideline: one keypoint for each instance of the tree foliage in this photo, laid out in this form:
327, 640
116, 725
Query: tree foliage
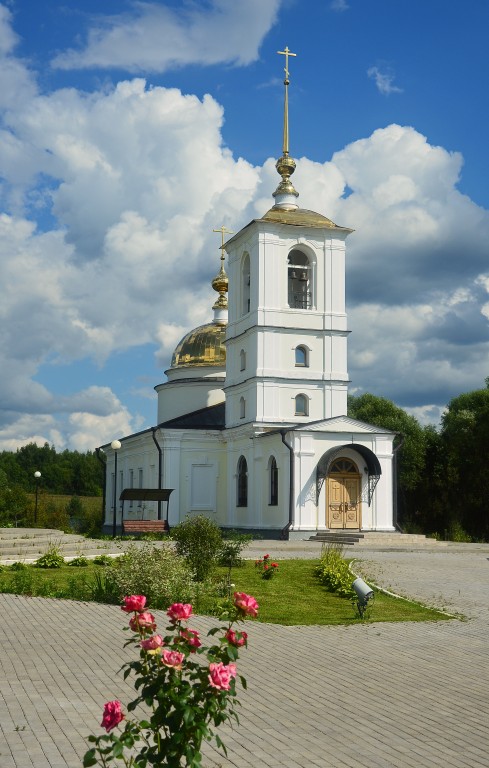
411, 436
69, 472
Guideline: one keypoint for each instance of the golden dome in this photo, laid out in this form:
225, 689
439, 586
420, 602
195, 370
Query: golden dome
204, 346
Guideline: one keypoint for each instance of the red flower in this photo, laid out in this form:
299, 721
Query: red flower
191, 636
274, 565
173, 659
134, 603
144, 621
179, 612
246, 604
236, 638
112, 716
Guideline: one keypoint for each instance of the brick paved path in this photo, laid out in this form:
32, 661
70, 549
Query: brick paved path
371, 696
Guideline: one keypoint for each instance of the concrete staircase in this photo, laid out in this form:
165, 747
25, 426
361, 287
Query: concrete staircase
27, 544
377, 540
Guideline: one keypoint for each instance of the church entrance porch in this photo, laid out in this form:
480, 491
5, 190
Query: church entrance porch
343, 496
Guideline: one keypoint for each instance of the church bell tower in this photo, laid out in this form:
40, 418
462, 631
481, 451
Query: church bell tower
286, 339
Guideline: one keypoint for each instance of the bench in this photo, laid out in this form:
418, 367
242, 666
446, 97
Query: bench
144, 526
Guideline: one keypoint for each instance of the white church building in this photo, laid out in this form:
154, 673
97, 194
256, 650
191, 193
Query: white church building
251, 427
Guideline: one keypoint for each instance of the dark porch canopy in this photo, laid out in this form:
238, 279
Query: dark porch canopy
145, 494
372, 467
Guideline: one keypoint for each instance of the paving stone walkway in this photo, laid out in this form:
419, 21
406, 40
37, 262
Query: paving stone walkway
371, 696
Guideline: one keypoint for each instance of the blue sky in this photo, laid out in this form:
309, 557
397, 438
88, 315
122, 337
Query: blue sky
128, 133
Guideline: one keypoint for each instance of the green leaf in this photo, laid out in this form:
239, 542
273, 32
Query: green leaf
89, 759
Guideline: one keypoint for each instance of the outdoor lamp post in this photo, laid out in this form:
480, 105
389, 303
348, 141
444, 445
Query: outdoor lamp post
116, 446
37, 477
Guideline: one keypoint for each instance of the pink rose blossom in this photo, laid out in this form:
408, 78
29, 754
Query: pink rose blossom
144, 621
246, 604
220, 675
134, 603
179, 612
173, 659
191, 636
152, 643
236, 638
112, 716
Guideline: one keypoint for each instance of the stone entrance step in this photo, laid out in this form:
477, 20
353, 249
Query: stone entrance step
392, 540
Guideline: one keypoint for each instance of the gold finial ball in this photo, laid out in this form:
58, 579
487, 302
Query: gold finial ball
220, 282
285, 165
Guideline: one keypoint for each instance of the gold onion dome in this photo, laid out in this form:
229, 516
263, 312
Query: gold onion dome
204, 346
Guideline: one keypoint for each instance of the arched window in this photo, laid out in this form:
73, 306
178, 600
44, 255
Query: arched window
301, 358
242, 407
301, 405
242, 483
299, 281
343, 466
242, 360
273, 482
245, 285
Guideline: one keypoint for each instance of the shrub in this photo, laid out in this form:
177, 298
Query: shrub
334, 572
233, 543
79, 562
159, 573
52, 558
103, 560
199, 541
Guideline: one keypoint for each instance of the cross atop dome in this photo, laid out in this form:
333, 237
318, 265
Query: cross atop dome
285, 193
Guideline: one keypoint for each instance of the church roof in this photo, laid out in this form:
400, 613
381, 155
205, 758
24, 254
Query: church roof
300, 217
213, 417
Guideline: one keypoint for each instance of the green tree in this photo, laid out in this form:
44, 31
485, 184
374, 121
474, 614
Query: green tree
465, 439
411, 441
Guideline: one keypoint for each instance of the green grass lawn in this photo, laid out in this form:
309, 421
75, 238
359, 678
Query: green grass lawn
294, 596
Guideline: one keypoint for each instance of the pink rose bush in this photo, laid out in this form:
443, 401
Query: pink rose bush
187, 697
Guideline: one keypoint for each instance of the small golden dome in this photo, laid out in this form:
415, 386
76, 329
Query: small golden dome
204, 346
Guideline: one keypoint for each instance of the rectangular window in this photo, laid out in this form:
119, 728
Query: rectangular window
131, 485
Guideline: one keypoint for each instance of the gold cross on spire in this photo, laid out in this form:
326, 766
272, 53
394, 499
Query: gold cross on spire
223, 232
287, 53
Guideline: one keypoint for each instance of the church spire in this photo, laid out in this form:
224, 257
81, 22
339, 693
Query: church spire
220, 284
285, 193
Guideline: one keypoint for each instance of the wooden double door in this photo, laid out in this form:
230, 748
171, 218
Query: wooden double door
343, 498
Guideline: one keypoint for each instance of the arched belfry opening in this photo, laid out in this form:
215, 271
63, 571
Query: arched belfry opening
299, 275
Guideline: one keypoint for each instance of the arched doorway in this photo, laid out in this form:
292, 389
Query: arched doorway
343, 495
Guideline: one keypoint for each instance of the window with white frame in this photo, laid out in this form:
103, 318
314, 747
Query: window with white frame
301, 357
301, 405
272, 482
242, 483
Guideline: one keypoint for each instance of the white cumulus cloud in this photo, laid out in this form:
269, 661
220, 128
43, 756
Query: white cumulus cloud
154, 38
